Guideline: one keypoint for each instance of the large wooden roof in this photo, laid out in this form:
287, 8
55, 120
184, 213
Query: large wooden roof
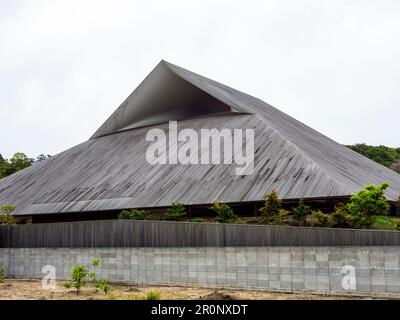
110, 171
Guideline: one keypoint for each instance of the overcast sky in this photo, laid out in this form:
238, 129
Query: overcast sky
65, 66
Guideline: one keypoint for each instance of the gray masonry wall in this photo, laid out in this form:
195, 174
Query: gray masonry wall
312, 269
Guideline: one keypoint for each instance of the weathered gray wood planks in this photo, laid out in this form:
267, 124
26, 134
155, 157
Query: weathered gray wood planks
126, 233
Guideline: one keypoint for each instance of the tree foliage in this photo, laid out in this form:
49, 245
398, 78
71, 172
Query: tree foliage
370, 201
224, 213
301, 212
176, 212
319, 219
389, 157
272, 212
362, 209
135, 214
80, 276
17, 162
5, 214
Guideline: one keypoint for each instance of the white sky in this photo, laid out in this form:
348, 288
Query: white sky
65, 66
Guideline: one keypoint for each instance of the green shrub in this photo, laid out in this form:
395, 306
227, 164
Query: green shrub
341, 217
80, 276
301, 212
272, 212
103, 286
384, 223
366, 204
153, 295
319, 219
177, 211
198, 220
5, 214
370, 201
2, 273
135, 214
224, 213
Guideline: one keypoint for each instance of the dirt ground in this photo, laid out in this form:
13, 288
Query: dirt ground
12, 289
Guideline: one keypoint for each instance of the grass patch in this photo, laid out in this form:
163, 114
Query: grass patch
384, 223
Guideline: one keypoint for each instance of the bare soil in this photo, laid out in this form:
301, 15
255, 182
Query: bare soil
12, 289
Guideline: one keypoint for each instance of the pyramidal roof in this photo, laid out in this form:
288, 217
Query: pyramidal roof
110, 171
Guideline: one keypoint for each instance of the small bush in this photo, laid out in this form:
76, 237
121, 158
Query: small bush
80, 276
341, 217
103, 286
272, 212
176, 212
272, 204
224, 213
370, 201
319, 219
198, 220
366, 204
153, 295
301, 212
2, 273
135, 214
5, 214
384, 223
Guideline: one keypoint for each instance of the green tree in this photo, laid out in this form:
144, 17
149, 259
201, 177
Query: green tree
20, 161
224, 213
301, 212
80, 276
367, 203
5, 214
135, 214
176, 212
271, 212
319, 219
341, 217
384, 155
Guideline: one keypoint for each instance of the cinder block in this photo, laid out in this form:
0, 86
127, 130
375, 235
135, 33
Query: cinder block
298, 285
241, 275
363, 287
297, 271
391, 288
377, 288
296, 264
285, 278
251, 276
285, 271
393, 274
274, 284
274, 276
273, 270
262, 277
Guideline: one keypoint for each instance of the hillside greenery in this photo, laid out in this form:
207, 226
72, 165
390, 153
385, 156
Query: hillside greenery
18, 162
389, 157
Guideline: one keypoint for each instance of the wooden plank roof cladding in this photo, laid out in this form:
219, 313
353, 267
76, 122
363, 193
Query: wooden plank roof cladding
110, 171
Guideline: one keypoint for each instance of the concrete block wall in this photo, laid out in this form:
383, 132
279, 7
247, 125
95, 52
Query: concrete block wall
294, 269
